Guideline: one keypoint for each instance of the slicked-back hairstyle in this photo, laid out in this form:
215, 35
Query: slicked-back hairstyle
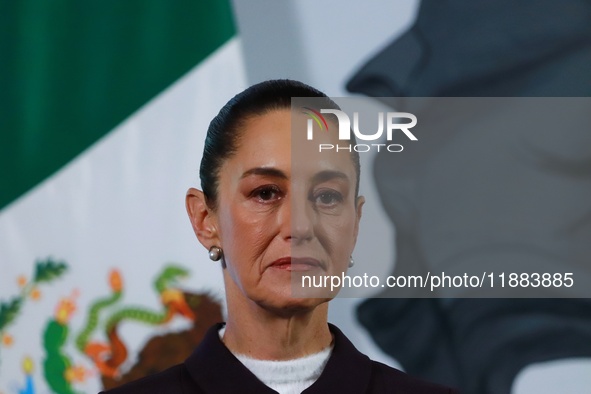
225, 130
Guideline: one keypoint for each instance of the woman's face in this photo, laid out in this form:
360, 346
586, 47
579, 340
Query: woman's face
279, 217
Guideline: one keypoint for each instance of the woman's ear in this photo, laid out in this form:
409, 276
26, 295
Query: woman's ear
359, 208
202, 218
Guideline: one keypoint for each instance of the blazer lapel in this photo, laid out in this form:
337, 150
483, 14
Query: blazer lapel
347, 370
215, 369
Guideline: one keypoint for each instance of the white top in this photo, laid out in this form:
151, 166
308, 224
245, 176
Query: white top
286, 376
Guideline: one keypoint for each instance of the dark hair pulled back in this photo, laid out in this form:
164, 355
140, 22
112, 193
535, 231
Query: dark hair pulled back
224, 131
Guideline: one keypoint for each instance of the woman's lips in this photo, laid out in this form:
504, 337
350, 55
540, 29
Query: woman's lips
300, 264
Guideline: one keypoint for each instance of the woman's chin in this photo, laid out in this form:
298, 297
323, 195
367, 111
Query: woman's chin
282, 303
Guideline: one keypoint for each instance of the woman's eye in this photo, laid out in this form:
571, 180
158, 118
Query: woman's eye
327, 198
267, 193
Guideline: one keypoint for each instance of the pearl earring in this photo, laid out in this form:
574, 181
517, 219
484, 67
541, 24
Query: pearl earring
215, 253
351, 261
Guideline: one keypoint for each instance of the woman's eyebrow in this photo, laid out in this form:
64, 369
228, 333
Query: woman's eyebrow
328, 175
264, 171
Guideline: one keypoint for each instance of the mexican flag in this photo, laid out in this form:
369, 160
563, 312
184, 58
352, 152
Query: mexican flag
105, 105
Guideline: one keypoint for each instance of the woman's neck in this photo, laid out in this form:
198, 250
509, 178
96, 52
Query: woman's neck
255, 332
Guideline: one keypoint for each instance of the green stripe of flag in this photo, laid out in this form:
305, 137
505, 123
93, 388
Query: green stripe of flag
71, 70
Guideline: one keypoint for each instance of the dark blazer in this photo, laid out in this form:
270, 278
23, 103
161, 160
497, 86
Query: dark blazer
213, 369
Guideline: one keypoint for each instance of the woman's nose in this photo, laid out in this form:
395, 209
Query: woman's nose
299, 226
